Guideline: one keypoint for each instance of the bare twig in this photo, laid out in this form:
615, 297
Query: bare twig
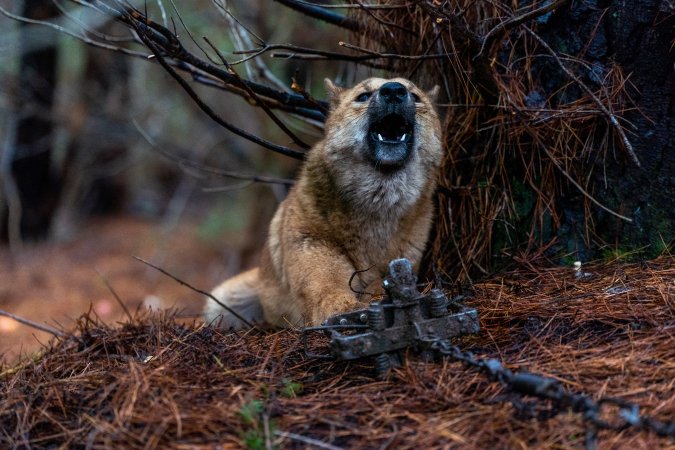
86, 28
30, 323
184, 162
197, 290
263, 104
142, 32
506, 25
306, 440
383, 22
373, 54
182, 60
67, 32
300, 90
114, 294
296, 52
200, 167
606, 112
321, 13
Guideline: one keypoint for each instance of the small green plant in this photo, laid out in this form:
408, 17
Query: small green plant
290, 388
253, 439
258, 428
252, 414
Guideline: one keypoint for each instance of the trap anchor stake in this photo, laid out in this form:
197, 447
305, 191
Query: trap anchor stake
403, 319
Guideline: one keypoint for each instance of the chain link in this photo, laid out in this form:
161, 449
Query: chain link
608, 413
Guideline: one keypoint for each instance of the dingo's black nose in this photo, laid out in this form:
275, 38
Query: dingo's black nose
393, 92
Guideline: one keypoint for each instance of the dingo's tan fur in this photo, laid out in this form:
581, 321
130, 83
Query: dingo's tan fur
362, 199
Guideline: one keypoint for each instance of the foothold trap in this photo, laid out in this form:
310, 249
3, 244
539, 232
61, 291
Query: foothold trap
404, 319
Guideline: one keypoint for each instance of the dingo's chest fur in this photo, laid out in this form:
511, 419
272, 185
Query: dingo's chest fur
363, 197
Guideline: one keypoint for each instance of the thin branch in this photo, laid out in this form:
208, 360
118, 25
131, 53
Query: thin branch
184, 162
385, 22
606, 112
114, 294
307, 53
299, 142
482, 74
206, 108
67, 32
300, 90
197, 290
357, 6
230, 16
169, 43
311, 442
30, 323
201, 71
558, 166
578, 186
513, 22
321, 13
374, 54
105, 37
230, 188
313, 115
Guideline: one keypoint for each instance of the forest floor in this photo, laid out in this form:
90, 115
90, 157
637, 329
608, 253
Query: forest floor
55, 284
167, 381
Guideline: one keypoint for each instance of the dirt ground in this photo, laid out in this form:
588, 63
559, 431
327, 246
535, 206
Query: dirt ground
54, 284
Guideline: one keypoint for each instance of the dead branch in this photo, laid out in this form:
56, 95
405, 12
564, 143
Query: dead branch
544, 147
202, 72
513, 22
142, 29
610, 117
114, 294
241, 83
243, 37
170, 45
483, 75
321, 13
30, 323
300, 90
197, 290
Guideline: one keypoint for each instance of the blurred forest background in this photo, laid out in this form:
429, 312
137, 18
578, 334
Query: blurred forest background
559, 118
84, 123
84, 185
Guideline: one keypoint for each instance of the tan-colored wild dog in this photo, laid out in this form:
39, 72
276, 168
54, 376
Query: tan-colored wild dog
363, 198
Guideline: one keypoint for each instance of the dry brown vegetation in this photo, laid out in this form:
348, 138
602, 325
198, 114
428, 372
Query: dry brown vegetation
542, 120
526, 125
529, 128
156, 383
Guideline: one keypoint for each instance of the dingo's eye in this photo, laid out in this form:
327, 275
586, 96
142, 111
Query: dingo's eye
363, 97
416, 97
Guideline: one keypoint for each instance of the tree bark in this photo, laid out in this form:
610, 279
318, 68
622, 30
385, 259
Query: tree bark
637, 36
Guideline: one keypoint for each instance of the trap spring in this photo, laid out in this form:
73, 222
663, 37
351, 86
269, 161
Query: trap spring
402, 320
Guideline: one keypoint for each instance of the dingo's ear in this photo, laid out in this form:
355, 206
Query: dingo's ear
433, 93
333, 91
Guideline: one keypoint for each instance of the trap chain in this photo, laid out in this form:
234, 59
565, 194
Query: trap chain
408, 319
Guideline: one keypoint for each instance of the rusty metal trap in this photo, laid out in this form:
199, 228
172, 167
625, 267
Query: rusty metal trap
425, 323
405, 319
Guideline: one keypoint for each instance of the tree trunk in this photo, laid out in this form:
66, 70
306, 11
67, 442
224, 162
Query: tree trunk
31, 163
639, 37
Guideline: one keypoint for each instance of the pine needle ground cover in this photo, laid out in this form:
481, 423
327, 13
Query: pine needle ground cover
155, 382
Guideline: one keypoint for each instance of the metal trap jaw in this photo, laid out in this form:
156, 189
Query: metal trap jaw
405, 318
